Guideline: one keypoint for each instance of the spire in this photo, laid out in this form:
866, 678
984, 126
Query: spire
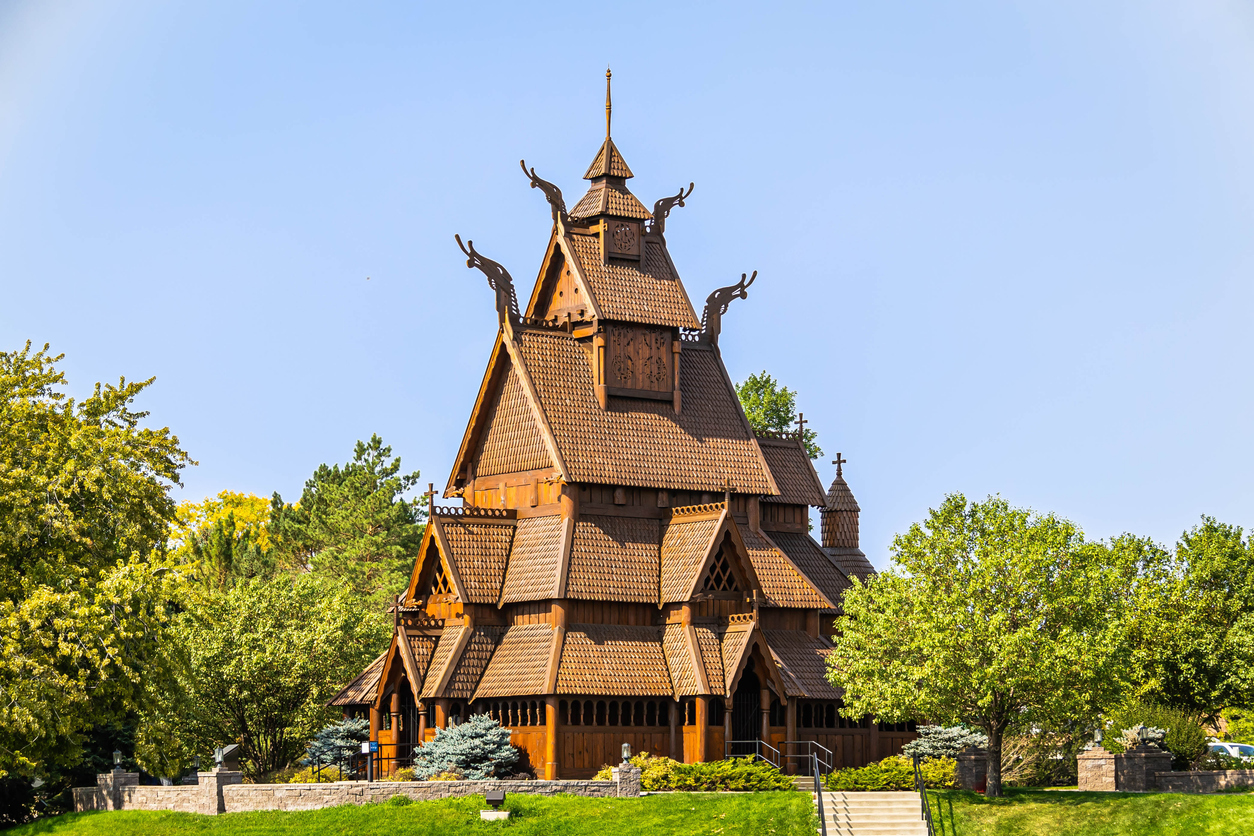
608, 107
609, 173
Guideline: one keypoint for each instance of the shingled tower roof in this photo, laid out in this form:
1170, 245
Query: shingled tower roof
840, 527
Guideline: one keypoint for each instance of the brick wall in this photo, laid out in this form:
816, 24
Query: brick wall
1095, 768
1204, 781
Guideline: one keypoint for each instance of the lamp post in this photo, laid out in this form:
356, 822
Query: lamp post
117, 759
626, 754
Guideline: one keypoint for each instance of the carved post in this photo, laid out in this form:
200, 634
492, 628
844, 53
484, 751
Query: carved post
677, 748
766, 715
703, 723
552, 728
422, 722
727, 722
598, 349
677, 347
790, 719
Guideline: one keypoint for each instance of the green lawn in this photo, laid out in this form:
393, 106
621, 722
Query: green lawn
1041, 813
781, 813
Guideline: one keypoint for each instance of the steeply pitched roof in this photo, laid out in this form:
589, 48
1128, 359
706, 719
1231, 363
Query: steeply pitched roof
802, 658
520, 662
840, 497
735, 642
814, 562
793, 471
609, 162
638, 442
479, 551
679, 659
852, 562
511, 441
685, 545
362, 689
613, 199
472, 662
782, 584
613, 659
712, 658
631, 292
534, 560
614, 559
445, 651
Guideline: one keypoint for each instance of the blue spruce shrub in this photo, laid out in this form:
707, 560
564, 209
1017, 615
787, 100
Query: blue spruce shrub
943, 742
337, 742
478, 748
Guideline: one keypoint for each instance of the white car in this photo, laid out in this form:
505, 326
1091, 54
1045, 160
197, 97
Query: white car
1237, 750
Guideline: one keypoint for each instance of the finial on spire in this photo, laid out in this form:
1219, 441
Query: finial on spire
608, 108
838, 462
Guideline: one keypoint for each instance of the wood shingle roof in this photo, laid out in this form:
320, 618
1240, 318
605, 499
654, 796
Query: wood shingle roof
614, 559
794, 473
512, 441
643, 443
685, 544
782, 584
679, 659
362, 689
472, 662
478, 553
519, 664
613, 659
629, 291
814, 562
534, 561
802, 659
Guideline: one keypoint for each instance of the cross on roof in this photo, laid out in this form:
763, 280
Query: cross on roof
430, 495
801, 425
838, 461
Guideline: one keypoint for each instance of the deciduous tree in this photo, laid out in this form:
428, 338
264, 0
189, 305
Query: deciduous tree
771, 407
992, 616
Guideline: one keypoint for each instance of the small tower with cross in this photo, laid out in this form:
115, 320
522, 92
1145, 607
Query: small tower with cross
840, 526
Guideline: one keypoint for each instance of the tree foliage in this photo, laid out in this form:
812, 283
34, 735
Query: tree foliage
1193, 637
263, 658
994, 617
86, 595
337, 742
353, 523
943, 742
771, 407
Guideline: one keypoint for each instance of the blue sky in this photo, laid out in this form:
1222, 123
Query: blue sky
1003, 247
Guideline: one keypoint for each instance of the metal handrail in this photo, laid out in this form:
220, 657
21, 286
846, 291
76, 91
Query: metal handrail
758, 746
827, 758
818, 794
926, 813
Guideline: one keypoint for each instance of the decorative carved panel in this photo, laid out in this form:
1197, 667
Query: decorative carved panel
639, 357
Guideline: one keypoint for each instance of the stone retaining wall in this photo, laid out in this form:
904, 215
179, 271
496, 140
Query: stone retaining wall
221, 791
1204, 781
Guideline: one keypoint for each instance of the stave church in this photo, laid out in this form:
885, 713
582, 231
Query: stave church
630, 562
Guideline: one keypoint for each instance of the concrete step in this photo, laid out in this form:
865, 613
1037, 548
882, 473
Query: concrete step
898, 830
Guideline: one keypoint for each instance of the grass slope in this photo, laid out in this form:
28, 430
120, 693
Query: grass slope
780, 813
1041, 813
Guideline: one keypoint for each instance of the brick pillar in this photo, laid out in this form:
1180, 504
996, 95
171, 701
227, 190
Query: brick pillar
111, 783
972, 770
211, 784
1135, 769
628, 780
1095, 768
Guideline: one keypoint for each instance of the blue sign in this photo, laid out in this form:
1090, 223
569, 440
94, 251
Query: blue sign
374, 747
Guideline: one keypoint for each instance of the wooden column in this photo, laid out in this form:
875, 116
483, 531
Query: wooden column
873, 744
376, 722
727, 726
441, 713
422, 722
703, 720
396, 712
790, 727
677, 740
766, 715
552, 727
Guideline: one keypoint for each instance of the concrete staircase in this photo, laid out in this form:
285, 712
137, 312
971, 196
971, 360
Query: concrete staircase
873, 813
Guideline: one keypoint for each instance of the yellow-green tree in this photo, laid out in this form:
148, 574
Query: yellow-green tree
87, 594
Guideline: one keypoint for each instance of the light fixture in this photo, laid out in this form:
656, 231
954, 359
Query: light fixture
626, 754
117, 758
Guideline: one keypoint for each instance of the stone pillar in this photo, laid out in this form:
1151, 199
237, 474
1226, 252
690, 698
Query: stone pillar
1095, 768
972, 770
111, 783
211, 784
1135, 769
628, 779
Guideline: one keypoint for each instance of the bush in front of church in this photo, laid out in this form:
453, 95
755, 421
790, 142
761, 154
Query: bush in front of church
478, 748
894, 773
731, 775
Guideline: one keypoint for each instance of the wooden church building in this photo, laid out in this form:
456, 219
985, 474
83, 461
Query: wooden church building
630, 562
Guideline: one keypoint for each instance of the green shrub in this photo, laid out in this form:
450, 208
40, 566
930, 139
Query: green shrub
338, 741
894, 773
399, 801
731, 775
310, 775
1186, 736
943, 741
478, 748
405, 773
